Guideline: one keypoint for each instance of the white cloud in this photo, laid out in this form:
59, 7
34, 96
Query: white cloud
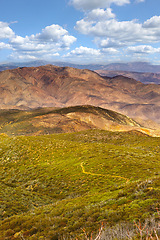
143, 49
5, 45
49, 42
51, 33
30, 56
109, 43
22, 57
100, 14
5, 31
152, 23
109, 51
113, 33
93, 4
87, 55
84, 52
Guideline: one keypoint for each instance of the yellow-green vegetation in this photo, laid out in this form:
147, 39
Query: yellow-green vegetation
55, 185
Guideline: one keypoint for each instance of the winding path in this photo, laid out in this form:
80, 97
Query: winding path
98, 174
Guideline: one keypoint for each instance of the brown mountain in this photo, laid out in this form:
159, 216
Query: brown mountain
51, 86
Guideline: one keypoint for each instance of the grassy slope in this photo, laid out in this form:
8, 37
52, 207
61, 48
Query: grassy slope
57, 184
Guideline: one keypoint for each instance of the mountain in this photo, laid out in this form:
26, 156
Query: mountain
144, 77
51, 86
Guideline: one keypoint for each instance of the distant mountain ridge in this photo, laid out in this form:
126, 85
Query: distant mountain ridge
52, 86
130, 67
143, 77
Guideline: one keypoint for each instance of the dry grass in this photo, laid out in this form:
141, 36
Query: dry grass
149, 230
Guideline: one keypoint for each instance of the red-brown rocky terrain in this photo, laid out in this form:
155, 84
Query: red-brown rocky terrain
51, 86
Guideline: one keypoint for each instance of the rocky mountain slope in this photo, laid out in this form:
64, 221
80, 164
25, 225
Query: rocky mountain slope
51, 86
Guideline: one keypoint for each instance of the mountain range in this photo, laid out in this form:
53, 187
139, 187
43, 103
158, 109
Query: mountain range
52, 86
129, 67
140, 71
144, 77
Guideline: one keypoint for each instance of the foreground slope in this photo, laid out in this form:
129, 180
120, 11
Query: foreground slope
51, 86
54, 185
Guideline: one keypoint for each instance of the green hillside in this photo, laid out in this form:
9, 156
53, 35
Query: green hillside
54, 185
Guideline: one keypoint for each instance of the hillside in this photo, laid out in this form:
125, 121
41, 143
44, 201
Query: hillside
51, 86
71, 119
52, 186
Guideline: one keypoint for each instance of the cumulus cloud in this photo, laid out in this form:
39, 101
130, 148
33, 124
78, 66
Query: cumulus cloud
93, 4
112, 36
100, 14
46, 44
50, 33
30, 56
84, 52
5, 31
49, 42
5, 45
152, 23
143, 49
111, 51
109, 43
113, 33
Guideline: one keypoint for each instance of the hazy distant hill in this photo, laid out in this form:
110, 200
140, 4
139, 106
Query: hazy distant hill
51, 86
133, 67
6, 67
144, 77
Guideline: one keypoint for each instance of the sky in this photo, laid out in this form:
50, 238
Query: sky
80, 31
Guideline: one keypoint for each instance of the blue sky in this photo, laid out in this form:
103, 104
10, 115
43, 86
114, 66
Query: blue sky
80, 31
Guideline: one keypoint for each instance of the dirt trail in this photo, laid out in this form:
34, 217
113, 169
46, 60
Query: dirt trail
98, 174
